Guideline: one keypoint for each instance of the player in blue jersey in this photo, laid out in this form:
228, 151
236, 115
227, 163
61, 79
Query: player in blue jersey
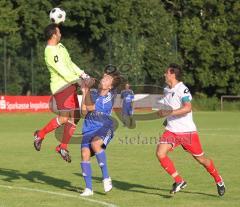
127, 97
97, 128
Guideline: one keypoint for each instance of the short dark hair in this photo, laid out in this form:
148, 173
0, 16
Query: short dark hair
175, 69
50, 30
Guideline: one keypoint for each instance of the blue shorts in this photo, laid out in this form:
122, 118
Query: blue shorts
127, 111
97, 127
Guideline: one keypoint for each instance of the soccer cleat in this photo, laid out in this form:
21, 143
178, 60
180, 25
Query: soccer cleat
37, 141
176, 187
221, 188
64, 153
107, 184
87, 192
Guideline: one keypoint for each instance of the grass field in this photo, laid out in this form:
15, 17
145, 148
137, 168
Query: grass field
30, 178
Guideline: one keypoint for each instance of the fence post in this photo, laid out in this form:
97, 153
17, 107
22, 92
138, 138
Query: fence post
221, 103
32, 78
5, 64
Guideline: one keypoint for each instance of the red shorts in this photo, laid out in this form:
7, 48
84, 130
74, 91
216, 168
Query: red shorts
67, 98
188, 140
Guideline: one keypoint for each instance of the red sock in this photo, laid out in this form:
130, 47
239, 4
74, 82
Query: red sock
213, 172
69, 129
168, 165
53, 124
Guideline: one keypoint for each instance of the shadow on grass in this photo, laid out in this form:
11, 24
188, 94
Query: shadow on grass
139, 188
142, 189
127, 186
38, 177
10, 175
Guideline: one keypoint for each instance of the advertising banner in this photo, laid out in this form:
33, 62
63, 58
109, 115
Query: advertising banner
24, 103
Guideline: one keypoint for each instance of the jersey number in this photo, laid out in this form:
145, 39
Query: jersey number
55, 58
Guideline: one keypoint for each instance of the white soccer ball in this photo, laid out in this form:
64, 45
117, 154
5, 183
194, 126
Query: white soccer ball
57, 15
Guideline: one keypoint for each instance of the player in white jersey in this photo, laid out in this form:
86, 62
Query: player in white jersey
174, 97
181, 130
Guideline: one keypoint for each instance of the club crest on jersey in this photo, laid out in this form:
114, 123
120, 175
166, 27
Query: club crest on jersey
173, 94
186, 90
55, 58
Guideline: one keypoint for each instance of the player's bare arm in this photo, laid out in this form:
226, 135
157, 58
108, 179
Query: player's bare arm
132, 104
186, 108
87, 103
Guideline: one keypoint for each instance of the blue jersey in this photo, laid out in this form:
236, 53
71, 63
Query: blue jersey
100, 117
103, 104
127, 96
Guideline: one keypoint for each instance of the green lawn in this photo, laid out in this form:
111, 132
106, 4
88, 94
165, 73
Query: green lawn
30, 178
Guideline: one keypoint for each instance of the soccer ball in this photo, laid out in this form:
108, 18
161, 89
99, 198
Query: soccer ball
57, 15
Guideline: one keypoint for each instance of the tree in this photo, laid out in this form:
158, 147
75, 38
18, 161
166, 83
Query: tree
143, 35
204, 44
203, 36
10, 41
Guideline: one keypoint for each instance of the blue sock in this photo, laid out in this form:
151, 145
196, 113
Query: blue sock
87, 173
102, 162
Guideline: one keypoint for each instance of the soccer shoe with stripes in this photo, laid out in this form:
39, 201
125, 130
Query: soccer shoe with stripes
64, 153
37, 141
221, 188
176, 187
87, 192
107, 184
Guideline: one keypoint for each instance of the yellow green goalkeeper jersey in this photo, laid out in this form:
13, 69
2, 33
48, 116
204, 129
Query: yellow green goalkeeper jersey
62, 70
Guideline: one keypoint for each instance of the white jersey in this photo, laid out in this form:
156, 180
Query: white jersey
174, 99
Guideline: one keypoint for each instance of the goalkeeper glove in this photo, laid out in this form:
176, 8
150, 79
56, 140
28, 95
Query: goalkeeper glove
84, 76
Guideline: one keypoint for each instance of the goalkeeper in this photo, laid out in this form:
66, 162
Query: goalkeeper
63, 83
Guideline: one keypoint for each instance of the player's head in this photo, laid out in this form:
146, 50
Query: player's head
52, 32
127, 86
110, 81
173, 73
